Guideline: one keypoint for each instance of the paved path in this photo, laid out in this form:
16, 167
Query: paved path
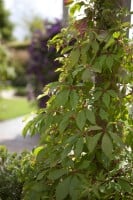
11, 136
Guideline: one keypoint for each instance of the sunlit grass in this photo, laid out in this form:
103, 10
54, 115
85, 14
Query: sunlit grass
11, 108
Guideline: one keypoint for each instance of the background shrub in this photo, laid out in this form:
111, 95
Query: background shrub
14, 170
7, 72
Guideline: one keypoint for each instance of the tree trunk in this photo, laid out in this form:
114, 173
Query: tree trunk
65, 15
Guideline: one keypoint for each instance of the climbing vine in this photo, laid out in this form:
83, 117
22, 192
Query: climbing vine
86, 128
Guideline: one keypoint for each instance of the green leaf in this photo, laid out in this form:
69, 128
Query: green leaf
79, 147
74, 57
97, 67
97, 95
90, 116
66, 151
94, 128
74, 99
92, 142
84, 165
62, 98
64, 123
71, 139
103, 114
76, 7
110, 62
107, 146
112, 93
106, 99
95, 46
125, 186
102, 61
116, 35
62, 189
74, 188
37, 150
81, 119
86, 75
84, 53
55, 174
116, 138
110, 42
77, 70
66, 49
38, 187
48, 121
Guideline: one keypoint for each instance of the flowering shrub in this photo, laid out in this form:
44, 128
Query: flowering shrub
42, 60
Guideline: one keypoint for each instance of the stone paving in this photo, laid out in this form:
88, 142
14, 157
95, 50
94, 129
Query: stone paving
11, 136
11, 132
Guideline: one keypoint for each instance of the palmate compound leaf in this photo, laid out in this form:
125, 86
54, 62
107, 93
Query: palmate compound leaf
92, 141
81, 119
107, 146
62, 189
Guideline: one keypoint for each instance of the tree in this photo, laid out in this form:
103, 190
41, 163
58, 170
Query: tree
34, 24
42, 64
6, 70
87, 124
6, 27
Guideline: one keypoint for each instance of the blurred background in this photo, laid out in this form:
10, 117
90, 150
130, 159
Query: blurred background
26, 64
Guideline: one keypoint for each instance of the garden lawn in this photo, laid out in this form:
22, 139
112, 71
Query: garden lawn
11, 108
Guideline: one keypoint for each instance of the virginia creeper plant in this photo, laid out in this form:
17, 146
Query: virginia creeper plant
86, 128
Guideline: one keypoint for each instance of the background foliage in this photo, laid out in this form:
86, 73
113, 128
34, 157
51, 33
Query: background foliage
14, 170
42, 64
6, 70
6, 26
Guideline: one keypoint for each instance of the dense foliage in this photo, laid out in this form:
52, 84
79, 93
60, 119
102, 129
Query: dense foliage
6, 70
6, 26
14, 170
42, 64
87, 126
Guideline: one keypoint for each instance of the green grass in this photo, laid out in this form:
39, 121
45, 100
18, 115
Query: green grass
11, 108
